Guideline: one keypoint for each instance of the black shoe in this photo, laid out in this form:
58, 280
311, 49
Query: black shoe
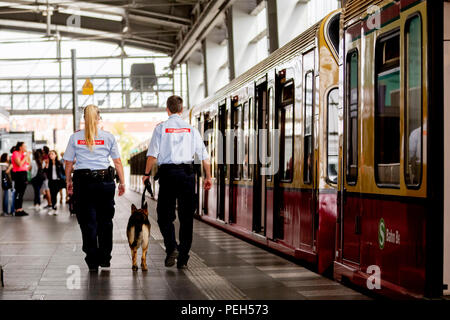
93, 268
105, 264
20, 214
47, 206
170, 259
182, 262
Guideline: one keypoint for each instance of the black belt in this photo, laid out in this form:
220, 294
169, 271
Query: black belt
187, 167
176, 166
104, 175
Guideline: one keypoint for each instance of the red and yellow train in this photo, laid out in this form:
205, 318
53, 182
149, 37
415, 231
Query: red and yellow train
355, 105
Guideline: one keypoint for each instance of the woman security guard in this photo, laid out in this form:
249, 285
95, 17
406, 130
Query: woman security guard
93, 186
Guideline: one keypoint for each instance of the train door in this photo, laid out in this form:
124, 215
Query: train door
309, 165
350, 206
283, 179
221, 164
208, 126
201, 204
259, 199
236, 167
446, 148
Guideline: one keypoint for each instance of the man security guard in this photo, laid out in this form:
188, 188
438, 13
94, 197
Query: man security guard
173, 145
93, 186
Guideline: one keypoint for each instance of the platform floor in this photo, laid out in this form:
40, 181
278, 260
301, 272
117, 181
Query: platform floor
41, 256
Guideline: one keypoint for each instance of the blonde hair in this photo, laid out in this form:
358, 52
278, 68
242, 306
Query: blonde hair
91, 115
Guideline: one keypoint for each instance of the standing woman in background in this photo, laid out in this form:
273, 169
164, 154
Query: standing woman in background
93, 186
55, 174
20, 160
45, 188
37, 177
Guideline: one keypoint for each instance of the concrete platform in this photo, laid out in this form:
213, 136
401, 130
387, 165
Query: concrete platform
42, 259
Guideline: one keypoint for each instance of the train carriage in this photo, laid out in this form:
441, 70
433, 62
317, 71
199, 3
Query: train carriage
390, 200
292, 97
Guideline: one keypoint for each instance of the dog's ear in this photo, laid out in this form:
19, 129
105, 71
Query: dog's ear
133, 208
144, 207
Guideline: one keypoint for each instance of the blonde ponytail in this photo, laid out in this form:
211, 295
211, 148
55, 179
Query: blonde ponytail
91, 115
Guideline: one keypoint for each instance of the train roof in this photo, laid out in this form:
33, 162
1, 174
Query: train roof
283, 54
354, 10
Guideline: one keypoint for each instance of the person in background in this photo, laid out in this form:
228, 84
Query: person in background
37, 177
63, 185
21, 161
55, 175
6, 176
45, 188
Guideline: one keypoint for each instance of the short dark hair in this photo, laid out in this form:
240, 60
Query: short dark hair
4, 157
175, 104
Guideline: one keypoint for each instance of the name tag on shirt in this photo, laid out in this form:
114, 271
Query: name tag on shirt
177, 130
97, 142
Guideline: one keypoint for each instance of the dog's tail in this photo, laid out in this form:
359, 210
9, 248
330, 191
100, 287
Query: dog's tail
137, 233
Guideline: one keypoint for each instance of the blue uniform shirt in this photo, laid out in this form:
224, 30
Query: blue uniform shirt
98, 158
175, 141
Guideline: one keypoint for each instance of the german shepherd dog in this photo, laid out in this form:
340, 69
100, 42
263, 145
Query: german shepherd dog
138, 233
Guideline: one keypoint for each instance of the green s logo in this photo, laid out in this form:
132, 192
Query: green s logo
381, 233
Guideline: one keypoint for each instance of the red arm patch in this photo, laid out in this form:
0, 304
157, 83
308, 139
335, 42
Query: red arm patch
97, 142
177, 130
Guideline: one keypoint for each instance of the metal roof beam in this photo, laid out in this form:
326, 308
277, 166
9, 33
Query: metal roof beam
206, 20
90, 33
156, 21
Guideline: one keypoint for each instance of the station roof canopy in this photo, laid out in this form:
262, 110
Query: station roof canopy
173, 27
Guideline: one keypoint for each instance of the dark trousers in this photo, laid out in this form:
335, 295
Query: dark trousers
54, 186
20, 184
176, 184
94, 202
37, 185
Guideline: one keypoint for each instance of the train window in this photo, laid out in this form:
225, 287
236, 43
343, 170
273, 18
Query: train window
237, 141
245, 128
308, 116
270, 127
332, 135
413, 124
287, 93
333, 32
352, 118
286, 118
387, 111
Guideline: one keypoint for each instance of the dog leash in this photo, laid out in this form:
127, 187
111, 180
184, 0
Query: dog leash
148, 187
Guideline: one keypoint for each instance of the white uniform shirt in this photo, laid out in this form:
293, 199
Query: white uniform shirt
97, 159
175, 141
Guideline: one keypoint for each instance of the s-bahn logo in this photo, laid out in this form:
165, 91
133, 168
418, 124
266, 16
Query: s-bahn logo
386, 235
381, 233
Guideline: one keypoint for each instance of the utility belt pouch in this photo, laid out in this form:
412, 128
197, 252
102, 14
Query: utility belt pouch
112, 173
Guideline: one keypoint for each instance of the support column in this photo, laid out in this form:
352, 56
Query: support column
205, 69
230, 44
272, 25
75, 111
